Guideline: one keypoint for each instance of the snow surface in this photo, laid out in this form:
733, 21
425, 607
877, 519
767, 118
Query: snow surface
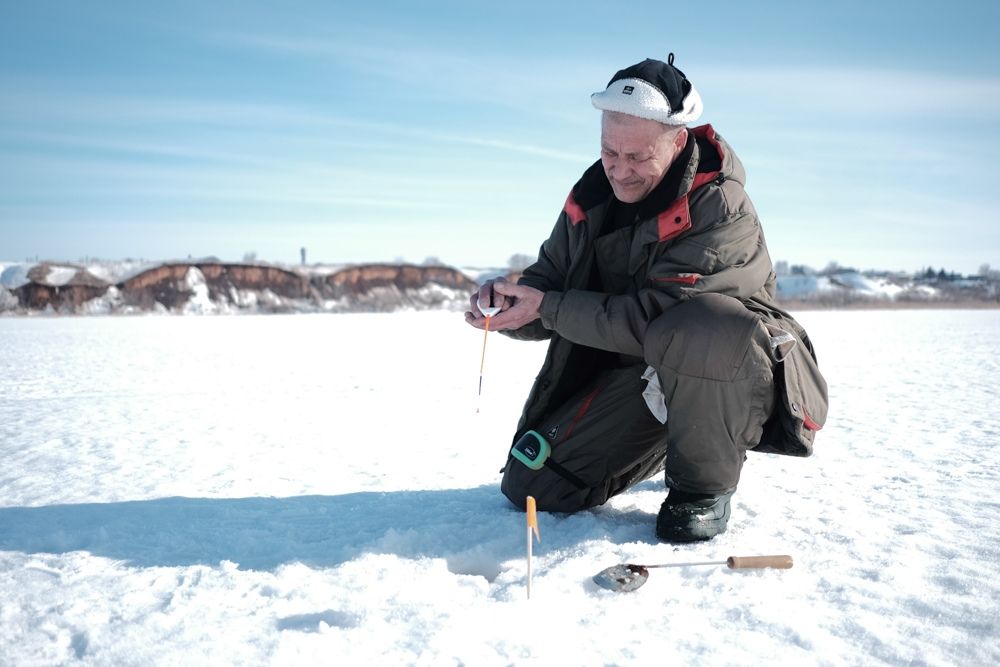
57, 276
318, 489
199, 303
13, 276
8, 301
119, 271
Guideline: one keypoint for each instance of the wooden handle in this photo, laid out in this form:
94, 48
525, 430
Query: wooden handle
747, 562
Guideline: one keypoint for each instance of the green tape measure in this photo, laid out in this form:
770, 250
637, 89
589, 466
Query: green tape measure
532, 450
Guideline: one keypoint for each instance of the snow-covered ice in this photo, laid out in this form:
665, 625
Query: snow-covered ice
318, 489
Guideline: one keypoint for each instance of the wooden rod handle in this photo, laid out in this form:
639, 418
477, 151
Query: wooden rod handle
747, 562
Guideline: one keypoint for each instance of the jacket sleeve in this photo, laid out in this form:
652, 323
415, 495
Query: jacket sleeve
728, 257
547, 274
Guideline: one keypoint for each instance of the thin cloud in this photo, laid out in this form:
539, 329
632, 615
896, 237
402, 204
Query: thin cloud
508, 82
139, 111
850, 92
96, 180
142, 148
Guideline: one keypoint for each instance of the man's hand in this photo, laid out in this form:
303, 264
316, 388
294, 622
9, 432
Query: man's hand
519, 305
488, 297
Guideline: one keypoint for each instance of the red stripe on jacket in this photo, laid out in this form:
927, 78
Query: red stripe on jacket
675, 220
583, 409
574, 210
708, 132
681, 278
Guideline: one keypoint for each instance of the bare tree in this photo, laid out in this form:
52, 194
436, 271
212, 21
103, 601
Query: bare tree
520, 261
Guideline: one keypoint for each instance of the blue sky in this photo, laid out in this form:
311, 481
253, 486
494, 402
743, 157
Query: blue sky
404, 130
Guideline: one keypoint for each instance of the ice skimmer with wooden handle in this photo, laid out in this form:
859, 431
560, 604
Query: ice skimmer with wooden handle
628, 577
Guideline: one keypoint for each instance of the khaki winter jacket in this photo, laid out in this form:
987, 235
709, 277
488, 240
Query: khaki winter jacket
708, 240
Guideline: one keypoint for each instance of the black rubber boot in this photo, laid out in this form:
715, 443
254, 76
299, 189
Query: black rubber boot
691, 517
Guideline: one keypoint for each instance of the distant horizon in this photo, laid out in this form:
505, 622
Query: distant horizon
83, 261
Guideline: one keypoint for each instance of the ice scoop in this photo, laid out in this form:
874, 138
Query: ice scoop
628, 576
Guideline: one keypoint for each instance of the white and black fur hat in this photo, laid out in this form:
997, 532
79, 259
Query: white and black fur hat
652, 89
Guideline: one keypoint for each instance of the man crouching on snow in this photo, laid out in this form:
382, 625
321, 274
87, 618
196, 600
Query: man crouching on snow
667, 350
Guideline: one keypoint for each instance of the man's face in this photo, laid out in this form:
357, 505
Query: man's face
636, 154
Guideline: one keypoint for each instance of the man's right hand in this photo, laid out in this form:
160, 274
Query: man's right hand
489, 297
519, 305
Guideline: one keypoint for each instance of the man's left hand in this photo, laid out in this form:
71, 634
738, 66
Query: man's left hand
525, 302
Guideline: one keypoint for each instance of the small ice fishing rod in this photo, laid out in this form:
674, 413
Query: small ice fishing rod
488, 310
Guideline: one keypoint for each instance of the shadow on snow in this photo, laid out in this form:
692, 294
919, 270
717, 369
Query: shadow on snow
474, 529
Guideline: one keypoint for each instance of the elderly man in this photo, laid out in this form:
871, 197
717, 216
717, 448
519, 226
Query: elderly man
667, 351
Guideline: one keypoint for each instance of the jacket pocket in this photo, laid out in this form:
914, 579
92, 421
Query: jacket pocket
802, 408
